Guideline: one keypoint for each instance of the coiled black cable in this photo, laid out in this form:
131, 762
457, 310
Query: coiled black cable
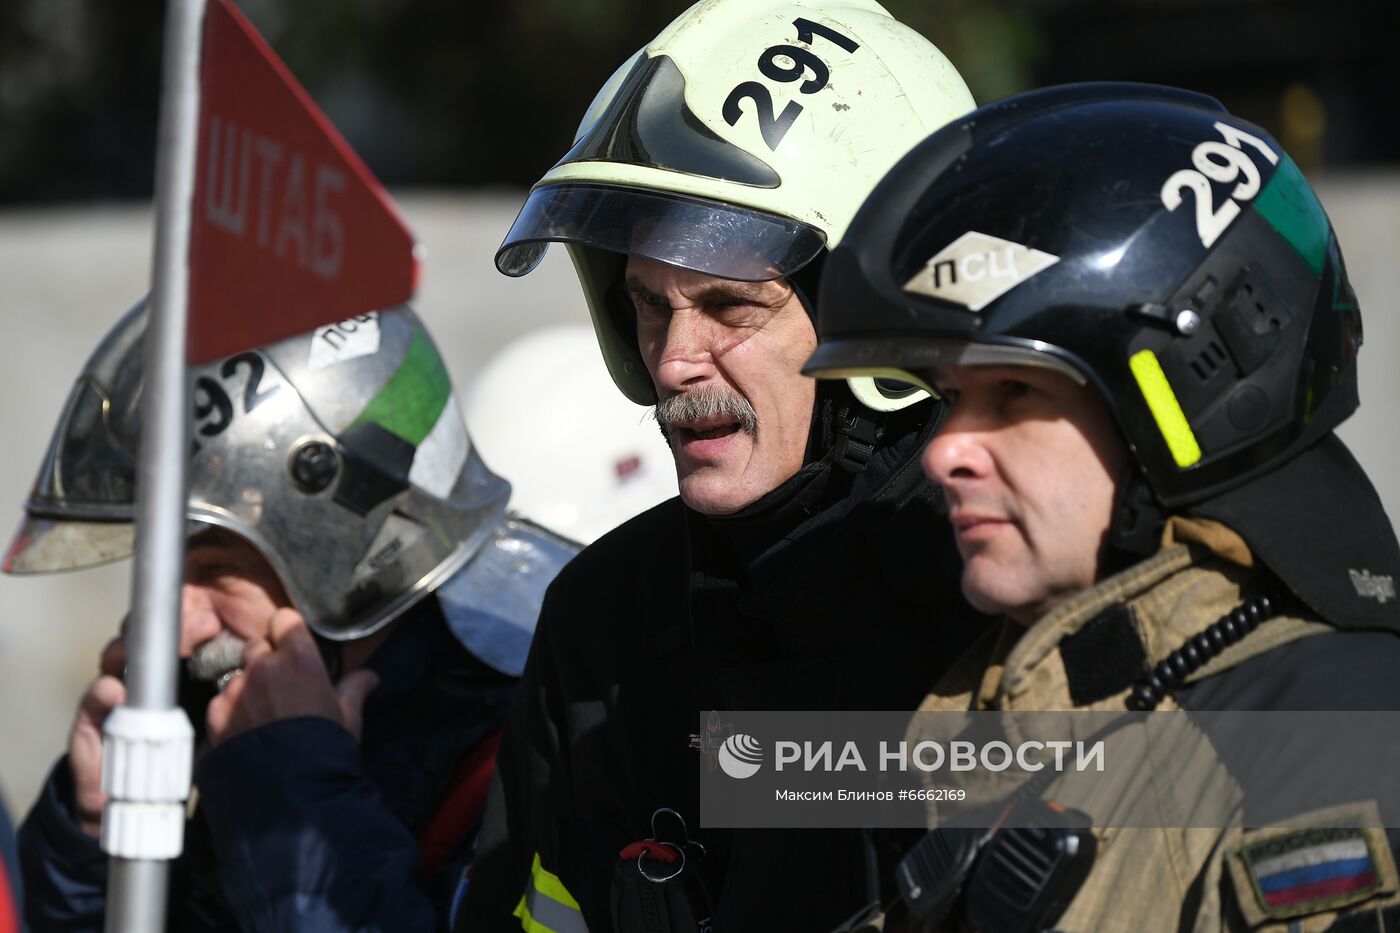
1171, 672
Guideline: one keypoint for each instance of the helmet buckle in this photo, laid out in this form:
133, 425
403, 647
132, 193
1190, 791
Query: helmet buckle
855, 442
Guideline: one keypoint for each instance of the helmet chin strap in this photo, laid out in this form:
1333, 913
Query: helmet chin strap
843, 431
1135, 532
858, 430
842, 428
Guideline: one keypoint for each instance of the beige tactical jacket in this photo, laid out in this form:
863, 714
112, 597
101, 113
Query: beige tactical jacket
1169, 879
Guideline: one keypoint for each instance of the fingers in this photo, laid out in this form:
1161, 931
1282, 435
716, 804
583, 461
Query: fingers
294, 643
352, 691
288, 629
219, 714
113, 659
85, 750
105, 695
287, 637
355, 687
254, 649
283, 678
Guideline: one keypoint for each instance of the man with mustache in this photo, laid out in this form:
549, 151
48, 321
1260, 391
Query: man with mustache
1144, 481
356, 609
782, 577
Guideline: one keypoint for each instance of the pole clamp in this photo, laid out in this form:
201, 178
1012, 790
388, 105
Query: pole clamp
147, 760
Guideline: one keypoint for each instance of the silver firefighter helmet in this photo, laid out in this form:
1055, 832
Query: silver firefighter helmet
340, 454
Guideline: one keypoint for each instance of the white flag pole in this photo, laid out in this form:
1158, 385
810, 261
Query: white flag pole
147, 744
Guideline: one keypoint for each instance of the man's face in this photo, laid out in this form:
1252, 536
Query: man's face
229, 596
726, 360
1030, 462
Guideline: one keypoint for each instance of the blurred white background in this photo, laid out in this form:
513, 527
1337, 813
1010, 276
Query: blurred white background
68, 273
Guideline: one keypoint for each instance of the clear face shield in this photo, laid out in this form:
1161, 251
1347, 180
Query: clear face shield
648, 124
708, 237
293, 455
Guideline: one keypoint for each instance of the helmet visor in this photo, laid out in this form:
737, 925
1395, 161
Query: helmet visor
708, 237
43, 544
89, 471
79, 511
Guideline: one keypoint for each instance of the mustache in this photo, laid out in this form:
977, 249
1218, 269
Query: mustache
216, 657
699, 404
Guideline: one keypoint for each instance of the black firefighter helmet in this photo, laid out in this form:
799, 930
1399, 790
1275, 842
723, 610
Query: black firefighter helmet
1143, 240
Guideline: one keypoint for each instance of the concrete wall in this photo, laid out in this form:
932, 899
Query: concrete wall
68, 273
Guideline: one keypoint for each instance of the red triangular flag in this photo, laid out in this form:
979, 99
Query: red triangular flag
289, 230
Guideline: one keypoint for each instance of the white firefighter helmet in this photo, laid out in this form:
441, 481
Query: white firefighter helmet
581, 460
738, 143
340, 454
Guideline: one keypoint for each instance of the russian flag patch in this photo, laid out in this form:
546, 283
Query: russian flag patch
1312, 866
1305, 871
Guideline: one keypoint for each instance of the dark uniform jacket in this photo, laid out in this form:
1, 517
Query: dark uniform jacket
832, 592
296, 827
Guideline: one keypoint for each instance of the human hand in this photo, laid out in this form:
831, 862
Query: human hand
283, 678
103, 695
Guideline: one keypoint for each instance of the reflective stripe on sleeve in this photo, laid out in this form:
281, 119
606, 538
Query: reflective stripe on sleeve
547, 906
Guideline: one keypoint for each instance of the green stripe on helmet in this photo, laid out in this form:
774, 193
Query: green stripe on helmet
409, 404
1288, 204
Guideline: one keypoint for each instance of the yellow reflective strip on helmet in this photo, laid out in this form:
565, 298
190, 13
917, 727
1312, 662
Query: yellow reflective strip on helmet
547, 906
1166, 410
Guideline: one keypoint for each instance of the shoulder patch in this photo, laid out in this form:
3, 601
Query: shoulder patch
1336, 862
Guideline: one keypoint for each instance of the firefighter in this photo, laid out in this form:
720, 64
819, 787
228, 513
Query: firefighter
357, 605
1140, 318
706, 182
